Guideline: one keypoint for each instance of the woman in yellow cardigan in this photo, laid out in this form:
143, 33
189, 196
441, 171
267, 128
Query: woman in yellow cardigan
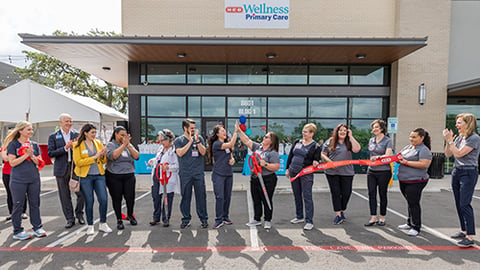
89, 158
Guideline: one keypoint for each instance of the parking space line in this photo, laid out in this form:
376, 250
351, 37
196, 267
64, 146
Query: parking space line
79, 230
253, 229
42, 194
431, 230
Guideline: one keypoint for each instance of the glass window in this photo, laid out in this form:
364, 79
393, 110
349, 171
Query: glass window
287, 75
207, 74
143, 123
194, 106
143, 73
166, 74
247, 74
366, 107
143, 109
325, 128
248, 106
327, 107
287, 107
288, 130
367, 75
157, 124
213, 106
257, 126
166, 106
328, 75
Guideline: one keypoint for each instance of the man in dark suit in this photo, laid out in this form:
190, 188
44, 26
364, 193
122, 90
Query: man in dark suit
60, 148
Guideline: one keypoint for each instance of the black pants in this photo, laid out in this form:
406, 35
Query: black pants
121, 186
6, 183
65, 196
341, 190
258, 197
413, 193
378, 179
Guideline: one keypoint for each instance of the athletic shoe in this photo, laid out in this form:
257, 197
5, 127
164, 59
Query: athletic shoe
90, 230
254, 223
166, 223
343, 216
404, 227
338, 220
40, 233
24, 216
308, 226
9, 217
104, 228
120, 225
217, 224
227, 221
297, 220
466, 243
459, 235
267, 225
185, 224
204, 224
22, 236
413, 232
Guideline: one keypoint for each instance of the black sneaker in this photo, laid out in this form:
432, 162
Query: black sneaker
204, 225
459, 235
466, 243
185, 224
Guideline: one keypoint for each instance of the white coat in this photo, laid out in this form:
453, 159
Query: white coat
169, 157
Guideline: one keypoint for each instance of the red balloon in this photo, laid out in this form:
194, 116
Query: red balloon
243, 127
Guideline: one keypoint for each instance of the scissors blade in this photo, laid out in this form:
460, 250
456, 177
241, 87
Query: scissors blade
262, 183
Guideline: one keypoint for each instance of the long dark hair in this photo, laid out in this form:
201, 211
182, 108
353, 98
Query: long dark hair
116, 131
426, 137
334, 139
85, 129
274, 139
212, 139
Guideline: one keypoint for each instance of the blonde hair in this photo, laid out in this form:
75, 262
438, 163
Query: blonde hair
311, 127
15, 132
471, 122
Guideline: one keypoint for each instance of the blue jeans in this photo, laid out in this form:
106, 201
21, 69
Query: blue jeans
158, 204
463, 186
222, 187
198, 183
302, 192
88, 185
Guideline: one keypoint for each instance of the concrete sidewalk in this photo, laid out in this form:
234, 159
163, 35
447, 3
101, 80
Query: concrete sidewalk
241, 182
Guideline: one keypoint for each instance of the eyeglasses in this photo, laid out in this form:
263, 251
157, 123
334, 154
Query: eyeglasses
266, 137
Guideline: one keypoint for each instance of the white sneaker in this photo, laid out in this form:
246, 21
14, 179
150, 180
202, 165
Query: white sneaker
413, 232
308, 226
90, 230
267, 225
104, 228
254, 223
40, 233
297, 220
404, 227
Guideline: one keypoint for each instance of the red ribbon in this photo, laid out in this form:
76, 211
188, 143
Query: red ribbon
22, 150
334, 164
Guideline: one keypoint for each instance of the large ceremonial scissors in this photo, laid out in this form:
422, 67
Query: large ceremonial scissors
163, 178
254, 164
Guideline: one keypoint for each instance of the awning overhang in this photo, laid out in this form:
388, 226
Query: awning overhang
470, 88
108, 57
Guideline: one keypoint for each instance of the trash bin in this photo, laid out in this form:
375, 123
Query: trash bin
437, 167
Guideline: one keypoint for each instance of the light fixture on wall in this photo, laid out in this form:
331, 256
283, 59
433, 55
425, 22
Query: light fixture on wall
422, 94
106, 68
360, 55
181, 55
270, 55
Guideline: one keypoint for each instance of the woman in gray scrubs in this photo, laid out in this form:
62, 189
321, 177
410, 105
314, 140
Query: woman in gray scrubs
340, 147
413, 177
465, 148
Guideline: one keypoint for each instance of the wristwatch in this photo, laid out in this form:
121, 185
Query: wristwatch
450, 143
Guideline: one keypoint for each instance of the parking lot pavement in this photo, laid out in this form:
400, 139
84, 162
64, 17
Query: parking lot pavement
284, 246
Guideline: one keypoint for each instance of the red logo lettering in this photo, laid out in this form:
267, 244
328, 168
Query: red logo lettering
234, 9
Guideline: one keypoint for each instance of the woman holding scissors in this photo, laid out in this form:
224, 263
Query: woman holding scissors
270, 163
304, 152
220, 150
165, 161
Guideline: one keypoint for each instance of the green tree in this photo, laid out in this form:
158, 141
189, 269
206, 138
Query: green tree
56, 74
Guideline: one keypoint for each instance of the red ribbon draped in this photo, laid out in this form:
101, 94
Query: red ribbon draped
334, 164
23, 149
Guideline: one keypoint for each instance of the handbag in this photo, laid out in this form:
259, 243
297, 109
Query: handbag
74, 182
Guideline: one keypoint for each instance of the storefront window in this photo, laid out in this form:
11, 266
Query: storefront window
325, 128
194, 106
287, 107
287, 74
247, 74
166, 106
213, 106
328, 75
248, 106
327, 107
287, 129
207, 74
366, 107
367, 75
157, 124
166, 74
142, 106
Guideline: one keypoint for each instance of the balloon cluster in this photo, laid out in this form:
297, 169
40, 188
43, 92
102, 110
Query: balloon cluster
243, 127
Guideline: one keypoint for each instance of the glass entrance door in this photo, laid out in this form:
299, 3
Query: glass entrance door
208, 123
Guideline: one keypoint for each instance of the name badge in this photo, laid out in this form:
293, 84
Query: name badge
59, 136
298, 146
124, 154
85, 152
194, 153
227, 150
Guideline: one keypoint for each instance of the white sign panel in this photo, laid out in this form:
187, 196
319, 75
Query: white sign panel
392, 125
268, 14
